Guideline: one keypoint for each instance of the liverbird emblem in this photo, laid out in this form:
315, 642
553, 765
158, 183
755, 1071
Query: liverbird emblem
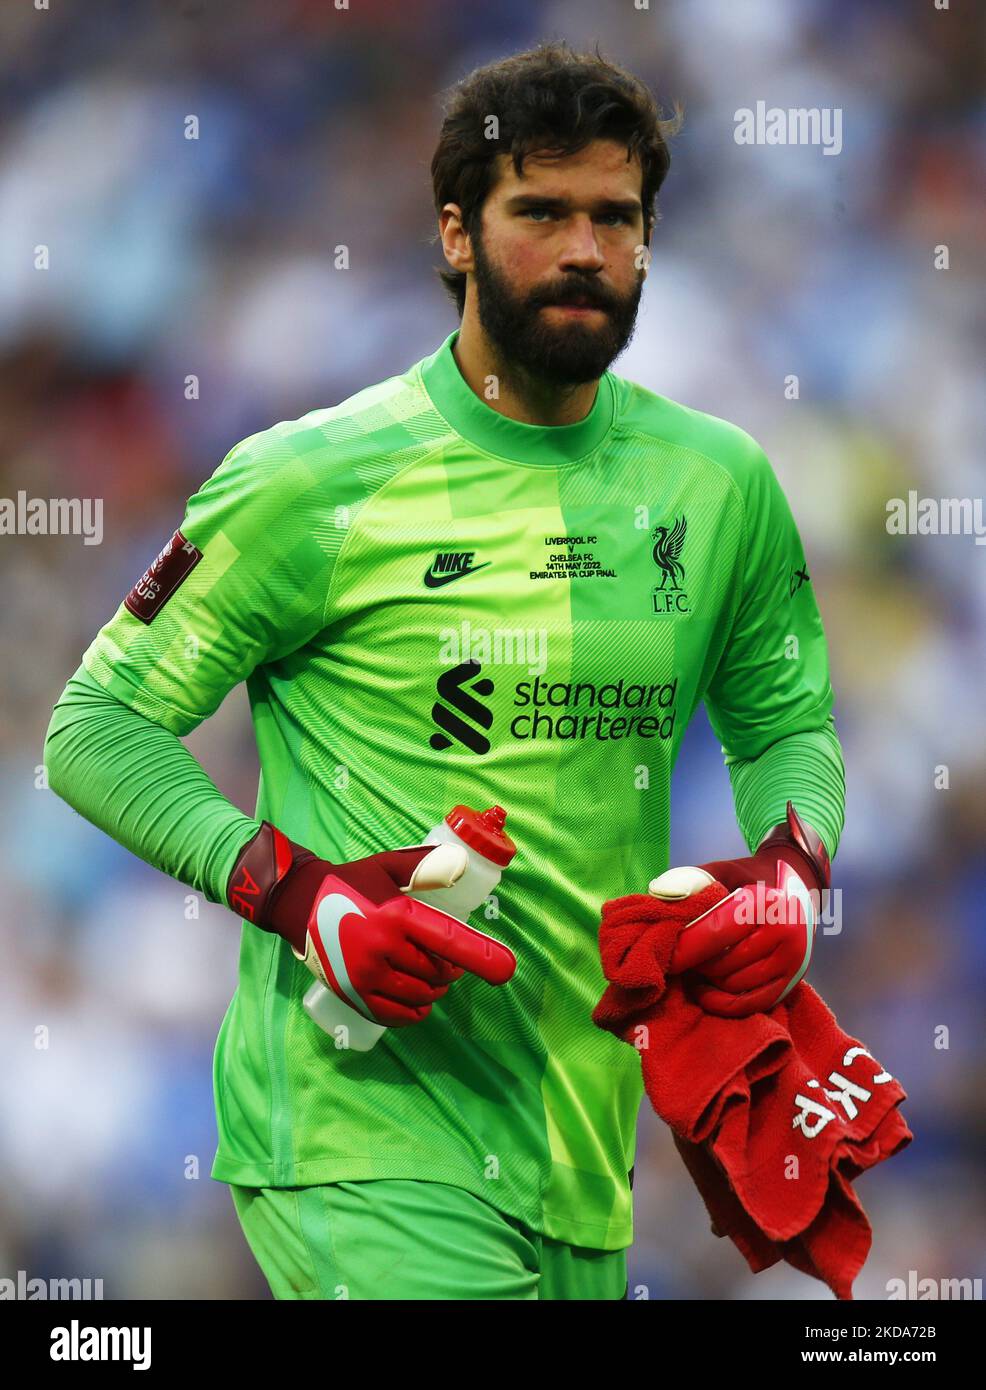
667, 549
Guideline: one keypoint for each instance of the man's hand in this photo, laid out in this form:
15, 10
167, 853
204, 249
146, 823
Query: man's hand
383, 953
749, 951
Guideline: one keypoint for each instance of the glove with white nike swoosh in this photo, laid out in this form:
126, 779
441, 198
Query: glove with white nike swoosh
382, 952
748, 951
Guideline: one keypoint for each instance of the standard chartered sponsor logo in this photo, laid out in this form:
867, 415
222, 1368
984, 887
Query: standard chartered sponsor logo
562, 710
460, 714
586, 709
465, 712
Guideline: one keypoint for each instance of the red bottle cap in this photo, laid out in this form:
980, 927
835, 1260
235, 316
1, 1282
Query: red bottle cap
483, 831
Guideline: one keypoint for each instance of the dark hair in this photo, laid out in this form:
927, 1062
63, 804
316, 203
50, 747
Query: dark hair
546, 99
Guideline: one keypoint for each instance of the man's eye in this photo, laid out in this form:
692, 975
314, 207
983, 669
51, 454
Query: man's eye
614, 218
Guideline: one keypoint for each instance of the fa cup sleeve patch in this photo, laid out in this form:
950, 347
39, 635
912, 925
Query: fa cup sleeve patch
156, 585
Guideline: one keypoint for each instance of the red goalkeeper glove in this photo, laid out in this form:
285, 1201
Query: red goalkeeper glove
384, 954
747, 952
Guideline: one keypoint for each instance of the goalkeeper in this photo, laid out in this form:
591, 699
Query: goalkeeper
505, 576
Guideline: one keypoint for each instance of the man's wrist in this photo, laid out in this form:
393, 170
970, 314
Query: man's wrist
802, 847
269, 884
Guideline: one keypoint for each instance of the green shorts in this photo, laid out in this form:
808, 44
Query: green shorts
401, 1239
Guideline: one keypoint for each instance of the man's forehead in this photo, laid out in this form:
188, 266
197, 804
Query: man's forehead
543, 169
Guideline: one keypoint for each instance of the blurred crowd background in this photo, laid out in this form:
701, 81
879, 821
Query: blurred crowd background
213, 258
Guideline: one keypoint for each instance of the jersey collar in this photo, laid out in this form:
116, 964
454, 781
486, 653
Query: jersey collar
511, 439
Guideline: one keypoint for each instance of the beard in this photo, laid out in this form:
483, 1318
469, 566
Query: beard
559, 354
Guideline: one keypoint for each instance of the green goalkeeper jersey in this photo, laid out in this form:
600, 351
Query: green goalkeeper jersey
433, 604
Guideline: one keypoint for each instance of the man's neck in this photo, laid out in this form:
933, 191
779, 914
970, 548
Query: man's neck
513, 392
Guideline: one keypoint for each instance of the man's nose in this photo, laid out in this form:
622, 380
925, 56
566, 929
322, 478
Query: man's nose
581, 247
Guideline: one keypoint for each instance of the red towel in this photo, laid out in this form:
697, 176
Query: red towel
774, 1115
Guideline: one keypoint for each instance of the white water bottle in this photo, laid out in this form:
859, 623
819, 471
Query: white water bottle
489, 849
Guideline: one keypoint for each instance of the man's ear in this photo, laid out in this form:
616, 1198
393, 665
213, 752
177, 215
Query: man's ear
456, 243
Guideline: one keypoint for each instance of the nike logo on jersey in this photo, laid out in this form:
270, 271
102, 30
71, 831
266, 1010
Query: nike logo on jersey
449, 565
